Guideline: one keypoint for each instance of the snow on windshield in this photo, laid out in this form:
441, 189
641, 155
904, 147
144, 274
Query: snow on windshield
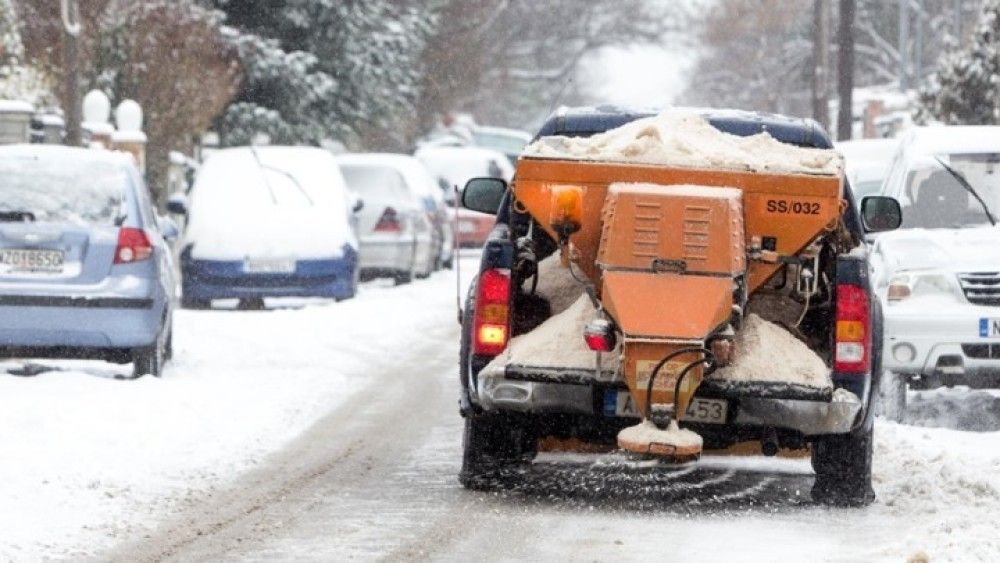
283, 203
935, 198
63, 189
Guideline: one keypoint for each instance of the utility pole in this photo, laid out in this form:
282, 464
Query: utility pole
821, 63
904, 40
845, 69
918, 50
70, 14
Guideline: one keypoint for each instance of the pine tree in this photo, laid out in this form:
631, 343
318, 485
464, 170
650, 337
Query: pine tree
966, 87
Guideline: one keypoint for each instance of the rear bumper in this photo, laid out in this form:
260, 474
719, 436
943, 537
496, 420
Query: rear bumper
225, 279
811, 417
120, 312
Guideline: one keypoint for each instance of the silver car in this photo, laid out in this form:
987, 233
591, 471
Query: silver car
396, 234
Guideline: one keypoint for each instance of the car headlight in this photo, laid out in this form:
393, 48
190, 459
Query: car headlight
907, 284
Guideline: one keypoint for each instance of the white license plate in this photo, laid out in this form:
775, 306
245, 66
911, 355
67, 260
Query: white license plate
989, 328
25, 260
465, 227
711, 411
269, 266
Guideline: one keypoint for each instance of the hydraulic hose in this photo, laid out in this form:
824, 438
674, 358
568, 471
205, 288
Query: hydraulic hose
707, 356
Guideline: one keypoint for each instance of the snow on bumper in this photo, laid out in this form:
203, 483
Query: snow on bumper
498, 392
925, 338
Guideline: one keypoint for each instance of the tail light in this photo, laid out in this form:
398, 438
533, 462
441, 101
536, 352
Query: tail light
490, 322
388, 222
853, 341
600, 335
133, 246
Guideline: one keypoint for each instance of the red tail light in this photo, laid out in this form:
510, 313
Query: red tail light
490, 326
853, 338
600, 335
133, 246
388, 222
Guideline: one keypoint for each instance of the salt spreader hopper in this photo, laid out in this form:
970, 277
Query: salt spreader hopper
674, 254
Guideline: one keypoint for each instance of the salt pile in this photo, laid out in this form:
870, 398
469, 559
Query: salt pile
685, 139
557, 343
556, 284
765, 352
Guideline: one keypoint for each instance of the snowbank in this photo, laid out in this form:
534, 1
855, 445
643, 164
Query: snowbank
765, 352
684, 139
557, 343
556, 284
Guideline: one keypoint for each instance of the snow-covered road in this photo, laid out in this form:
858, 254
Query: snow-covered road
331, 432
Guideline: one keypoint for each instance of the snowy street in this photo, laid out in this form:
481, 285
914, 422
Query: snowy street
304, 433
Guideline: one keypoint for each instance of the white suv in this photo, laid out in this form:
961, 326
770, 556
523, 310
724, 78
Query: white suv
939, 275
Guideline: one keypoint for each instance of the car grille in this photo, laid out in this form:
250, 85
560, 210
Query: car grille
982, 351
981, 288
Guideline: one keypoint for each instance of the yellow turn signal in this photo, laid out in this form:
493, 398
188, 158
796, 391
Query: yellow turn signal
850, 331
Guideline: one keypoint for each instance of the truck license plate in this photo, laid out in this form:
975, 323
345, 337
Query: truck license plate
989, 328
711, 411
619, 402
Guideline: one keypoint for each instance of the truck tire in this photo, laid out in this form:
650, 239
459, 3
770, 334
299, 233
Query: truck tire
491, 443
892, 396
843, 465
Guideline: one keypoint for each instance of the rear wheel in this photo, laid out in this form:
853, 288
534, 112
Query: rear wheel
251, 304
490, 443
843, 465
406, 276
149, 360
191, 303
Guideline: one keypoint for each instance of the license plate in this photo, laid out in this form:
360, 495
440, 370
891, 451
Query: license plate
466, 227
620, 403
29, 260
711, 411
268, 266
989, 328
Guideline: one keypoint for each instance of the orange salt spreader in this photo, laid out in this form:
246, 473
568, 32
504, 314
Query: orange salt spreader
673, 255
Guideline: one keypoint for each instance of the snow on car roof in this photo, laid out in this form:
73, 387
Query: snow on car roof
953, 139
63, 153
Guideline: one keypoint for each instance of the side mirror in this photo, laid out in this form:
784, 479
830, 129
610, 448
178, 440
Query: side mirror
359, 204
484, 194
177, 204
168, 228
880, 213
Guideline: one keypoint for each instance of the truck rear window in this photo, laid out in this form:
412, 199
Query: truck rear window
50, 190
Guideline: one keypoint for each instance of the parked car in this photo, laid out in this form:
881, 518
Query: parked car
453, 167
939, 276
268, 222
85, 268
510, 142
397, 229
867, 163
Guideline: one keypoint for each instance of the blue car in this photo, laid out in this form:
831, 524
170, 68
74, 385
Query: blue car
268, 222
85, 267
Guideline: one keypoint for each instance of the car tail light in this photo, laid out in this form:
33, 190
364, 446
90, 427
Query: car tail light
853, 338
133, 246
388, 222
490, 324
600, 335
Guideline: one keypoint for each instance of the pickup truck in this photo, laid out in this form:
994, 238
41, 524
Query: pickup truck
509, 412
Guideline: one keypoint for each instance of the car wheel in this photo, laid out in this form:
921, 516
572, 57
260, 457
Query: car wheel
843, 465
406, 276
168, 347
251, 304
148, 360
491, 443
891, 398
198, 304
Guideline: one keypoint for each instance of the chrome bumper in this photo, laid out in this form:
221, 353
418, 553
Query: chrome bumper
497, 392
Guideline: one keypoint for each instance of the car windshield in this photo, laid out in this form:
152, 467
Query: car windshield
937, 198
70, 190
377, 181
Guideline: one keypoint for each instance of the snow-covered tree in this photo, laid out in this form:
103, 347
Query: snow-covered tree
321, 69
18, 80
966, 87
